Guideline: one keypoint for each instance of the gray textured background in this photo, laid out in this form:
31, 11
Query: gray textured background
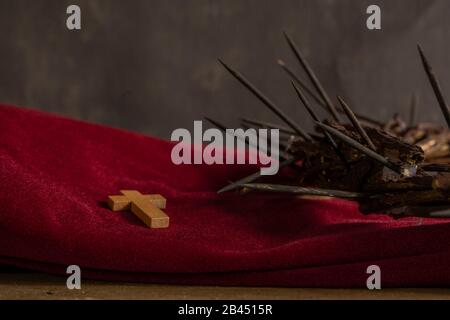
150, 65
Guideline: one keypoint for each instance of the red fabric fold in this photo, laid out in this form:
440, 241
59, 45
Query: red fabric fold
56, 174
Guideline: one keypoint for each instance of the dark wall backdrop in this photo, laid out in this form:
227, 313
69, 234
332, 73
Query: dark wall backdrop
150, 65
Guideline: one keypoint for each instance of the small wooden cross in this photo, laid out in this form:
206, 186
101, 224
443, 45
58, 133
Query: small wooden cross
145, 207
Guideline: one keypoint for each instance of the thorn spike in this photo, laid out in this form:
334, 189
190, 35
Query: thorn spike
318, 100
354, 120
217, 124
302, 84
268, 125
282, 154
252, 177
302, 190
435, 85
355, 144
267, 102
312, 77
305, 103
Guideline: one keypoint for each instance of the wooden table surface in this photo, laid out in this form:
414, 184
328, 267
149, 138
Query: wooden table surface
25, 285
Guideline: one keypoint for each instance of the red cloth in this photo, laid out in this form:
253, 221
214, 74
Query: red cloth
55, 175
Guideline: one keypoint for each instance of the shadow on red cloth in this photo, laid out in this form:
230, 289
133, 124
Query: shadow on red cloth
56, 173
